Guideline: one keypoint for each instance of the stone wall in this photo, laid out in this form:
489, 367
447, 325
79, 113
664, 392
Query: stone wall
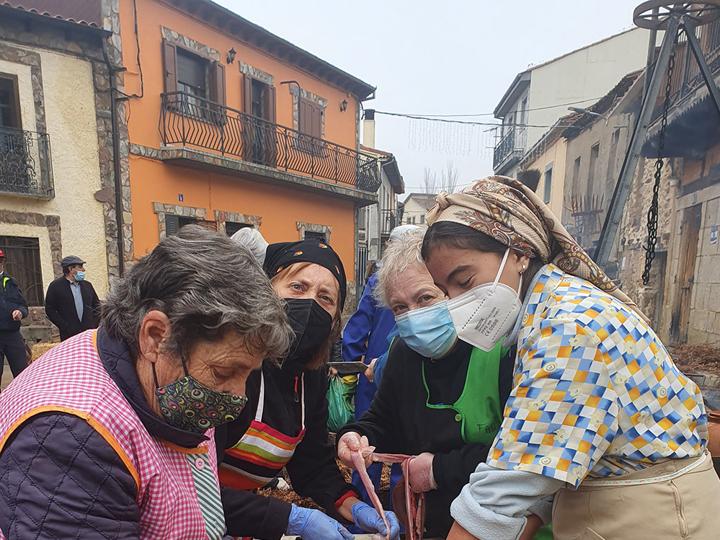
653, 299
185, 42
222, 217
256, 73
113, 49
55, 54
704, 323
88, 45
586, 198
658, 298
297, 94
162, 210
35, 219
304, 227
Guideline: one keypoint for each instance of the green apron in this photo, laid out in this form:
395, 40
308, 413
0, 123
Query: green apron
478, 407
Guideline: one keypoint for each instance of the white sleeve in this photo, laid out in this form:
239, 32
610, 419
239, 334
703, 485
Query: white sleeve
494, 503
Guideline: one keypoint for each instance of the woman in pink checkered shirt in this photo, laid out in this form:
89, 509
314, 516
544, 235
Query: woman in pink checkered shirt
110, 434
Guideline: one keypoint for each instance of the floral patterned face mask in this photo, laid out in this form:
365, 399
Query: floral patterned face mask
190, 405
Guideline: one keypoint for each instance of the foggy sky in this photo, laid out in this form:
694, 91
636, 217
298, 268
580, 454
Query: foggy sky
432, 57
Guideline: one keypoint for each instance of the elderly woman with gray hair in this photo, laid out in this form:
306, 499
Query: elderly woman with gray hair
439, 399
109, 435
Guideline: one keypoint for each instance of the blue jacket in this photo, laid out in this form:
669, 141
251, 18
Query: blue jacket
365, 336
11, 298
382, 361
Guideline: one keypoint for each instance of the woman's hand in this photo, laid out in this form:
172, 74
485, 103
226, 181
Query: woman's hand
350, 443
533, 524
315, 525
458, 533
367, 518
420, 473
370, 371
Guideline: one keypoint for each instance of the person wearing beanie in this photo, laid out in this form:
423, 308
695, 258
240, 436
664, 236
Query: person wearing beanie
284, 425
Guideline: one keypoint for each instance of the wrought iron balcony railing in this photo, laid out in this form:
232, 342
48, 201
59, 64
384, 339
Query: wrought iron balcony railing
388, 221
25, 164
510, 145
195, 122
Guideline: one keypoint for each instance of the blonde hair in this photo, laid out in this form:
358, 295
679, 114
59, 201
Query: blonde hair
400, 254
322, 356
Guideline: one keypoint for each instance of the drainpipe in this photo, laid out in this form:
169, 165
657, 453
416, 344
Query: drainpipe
112, 70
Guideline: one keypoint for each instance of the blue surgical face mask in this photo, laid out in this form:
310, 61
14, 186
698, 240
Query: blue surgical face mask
428, 331
80, 276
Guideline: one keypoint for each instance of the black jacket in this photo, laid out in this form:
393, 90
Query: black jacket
78, 484
11, 298
60, 307
313, 470
399, 421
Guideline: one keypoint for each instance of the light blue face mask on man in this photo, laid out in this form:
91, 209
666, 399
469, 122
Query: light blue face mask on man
80, 276
428, 331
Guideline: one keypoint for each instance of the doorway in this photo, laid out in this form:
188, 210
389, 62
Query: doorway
689, 238
259, 134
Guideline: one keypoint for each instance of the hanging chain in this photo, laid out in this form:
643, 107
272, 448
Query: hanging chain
653, 211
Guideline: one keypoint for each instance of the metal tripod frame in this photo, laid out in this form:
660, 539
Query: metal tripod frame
675, 23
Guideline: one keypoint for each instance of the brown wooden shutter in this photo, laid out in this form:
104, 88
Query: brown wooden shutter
304, 117
247, 94
272, 141
270, 103
217, 83
170, 66
316, 116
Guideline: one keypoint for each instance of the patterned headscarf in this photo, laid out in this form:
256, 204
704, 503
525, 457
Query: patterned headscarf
511, 213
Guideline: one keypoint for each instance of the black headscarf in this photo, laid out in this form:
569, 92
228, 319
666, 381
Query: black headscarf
282, 254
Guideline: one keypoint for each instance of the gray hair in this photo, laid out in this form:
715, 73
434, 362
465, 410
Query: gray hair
207, 285
400, 254
250, 238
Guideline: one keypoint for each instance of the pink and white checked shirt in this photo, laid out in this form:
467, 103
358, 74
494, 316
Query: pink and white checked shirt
70, 378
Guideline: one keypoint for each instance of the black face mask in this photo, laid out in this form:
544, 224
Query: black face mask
312, 326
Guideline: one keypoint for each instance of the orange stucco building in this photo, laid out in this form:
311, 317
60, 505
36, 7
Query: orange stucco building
232, 126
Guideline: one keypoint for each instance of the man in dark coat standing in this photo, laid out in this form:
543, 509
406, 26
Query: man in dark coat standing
13, 308
71, 302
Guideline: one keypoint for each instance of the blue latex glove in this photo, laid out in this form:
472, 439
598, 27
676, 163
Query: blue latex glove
315, 525
367, 518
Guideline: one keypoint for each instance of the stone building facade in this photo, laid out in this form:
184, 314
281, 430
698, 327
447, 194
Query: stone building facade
231, 126
595, 149
579, 159
57, 194
653, 299
685, 280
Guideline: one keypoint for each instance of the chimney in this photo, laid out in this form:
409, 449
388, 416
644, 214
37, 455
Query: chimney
369, 128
